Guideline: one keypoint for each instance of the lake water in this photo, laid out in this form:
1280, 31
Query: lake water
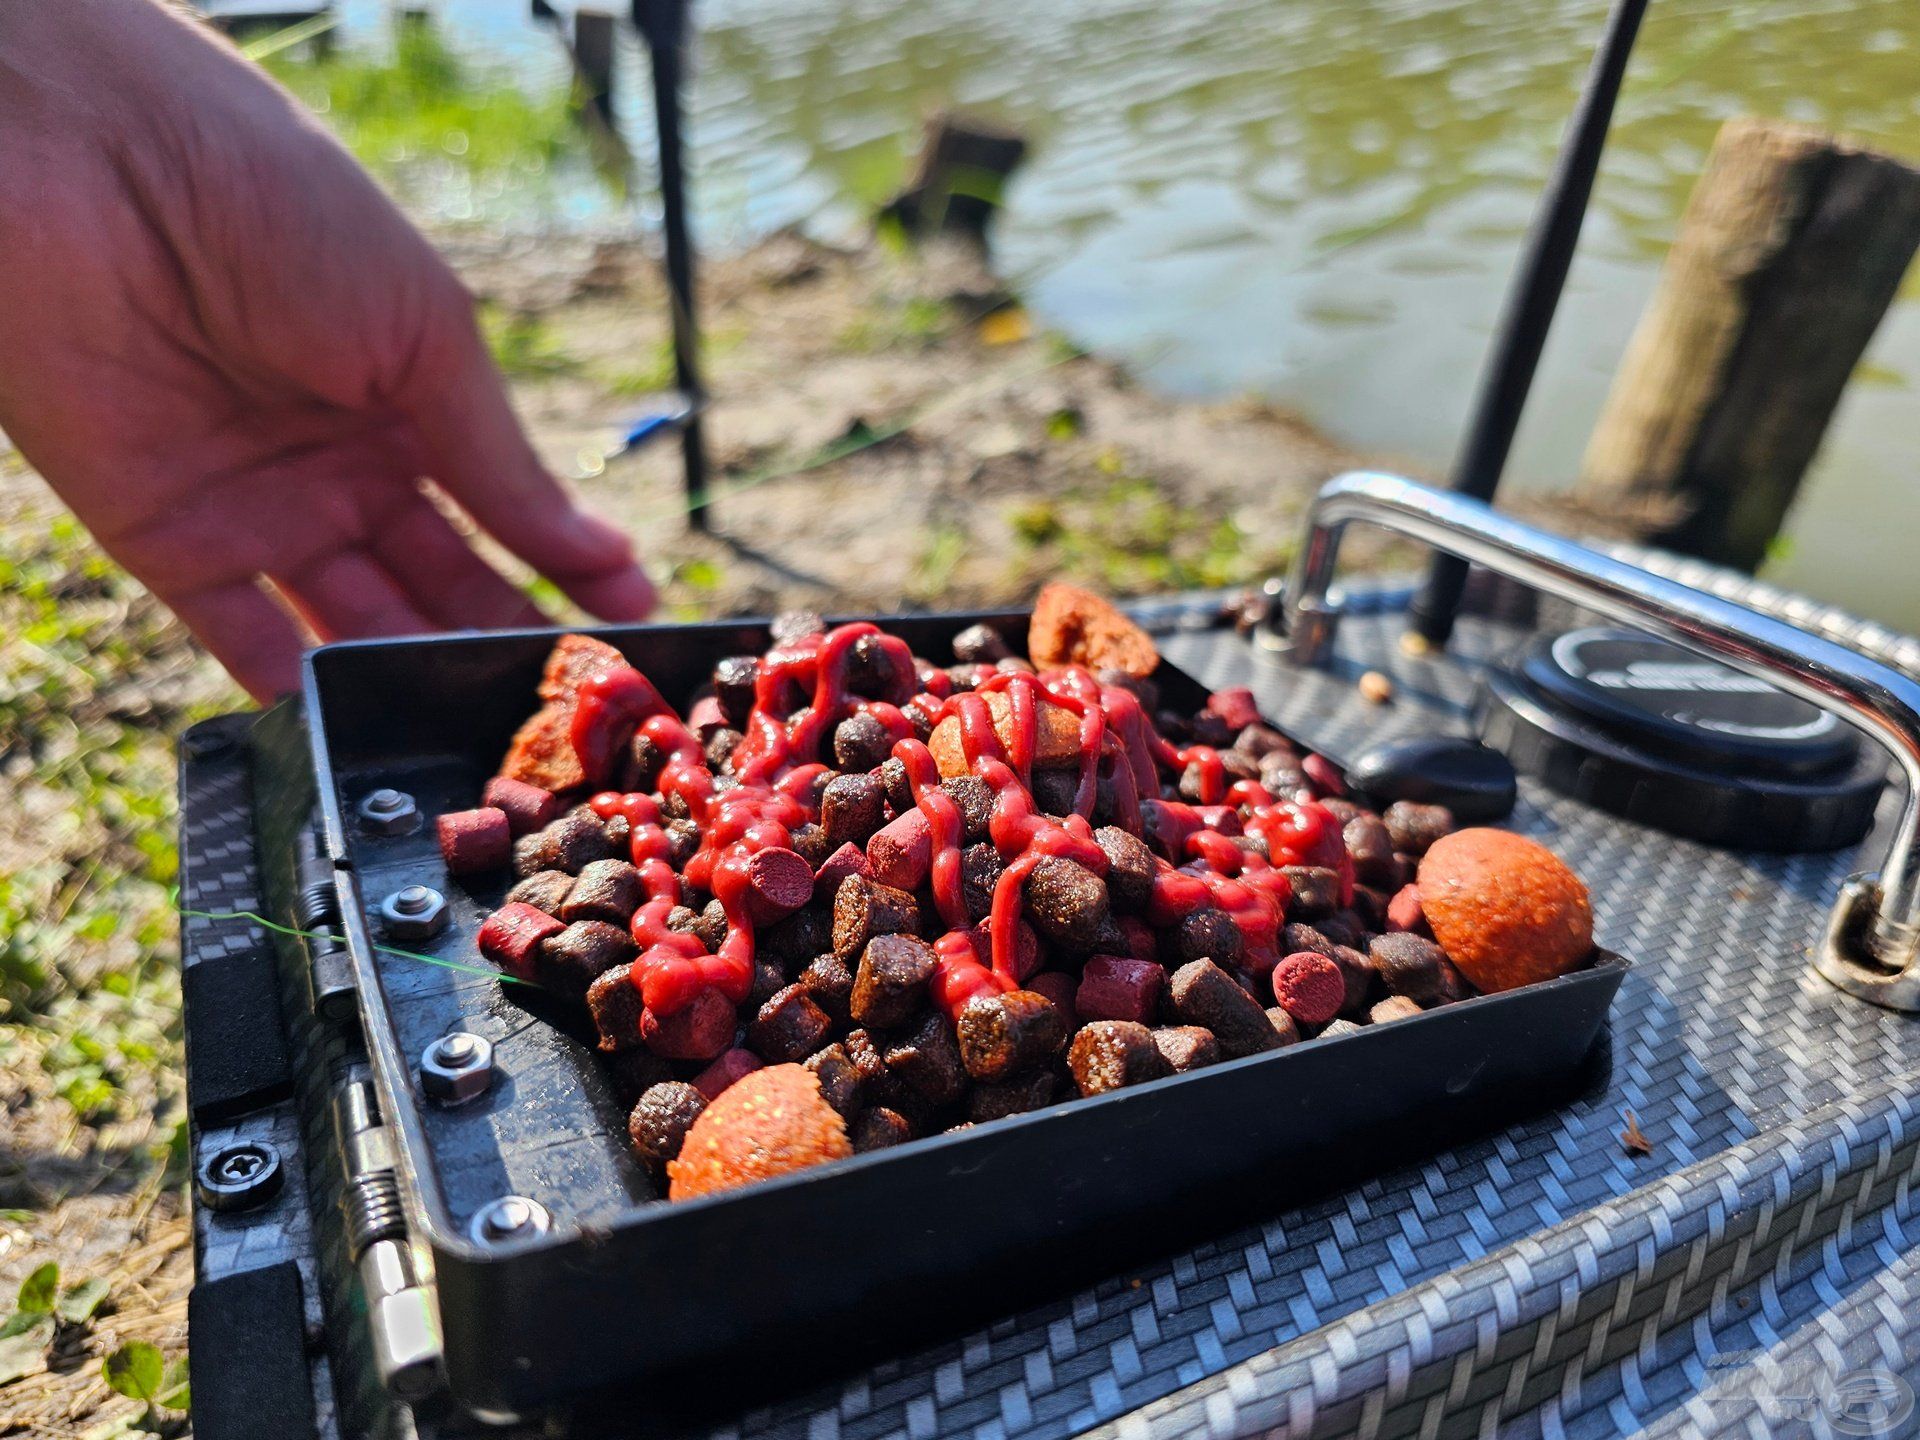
1314, 200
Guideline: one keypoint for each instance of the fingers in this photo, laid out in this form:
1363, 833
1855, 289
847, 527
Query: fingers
479, 456
441, 575
346, 595
246, 632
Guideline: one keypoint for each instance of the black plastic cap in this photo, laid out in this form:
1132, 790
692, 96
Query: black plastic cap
1657, 734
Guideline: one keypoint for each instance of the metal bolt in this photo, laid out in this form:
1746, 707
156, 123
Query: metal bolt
457, 1068
414, 912
389, 812
240, 1176
511, 1217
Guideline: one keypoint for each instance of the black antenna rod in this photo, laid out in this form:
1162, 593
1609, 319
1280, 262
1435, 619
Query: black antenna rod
1541, 276
663, 25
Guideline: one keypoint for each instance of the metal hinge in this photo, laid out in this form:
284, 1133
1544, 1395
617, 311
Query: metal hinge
403, 1315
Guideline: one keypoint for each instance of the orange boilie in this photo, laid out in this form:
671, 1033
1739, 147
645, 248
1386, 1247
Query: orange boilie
770, 1122
1506, 909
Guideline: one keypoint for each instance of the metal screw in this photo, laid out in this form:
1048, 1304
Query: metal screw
457, 1068
414, 912
511, 1217
240, 1176
389, 812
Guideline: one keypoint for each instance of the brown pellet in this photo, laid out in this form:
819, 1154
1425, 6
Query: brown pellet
1203, 994
1010, 1097
1111, 1054
891, 983
852, 807
1415, 967
608, 890
580, 954
1208, 934
1002, 1035
927, 1057
544, 890
1130, 867
860, 742
790, 1026
864, 908
615, 1003
879, 1128
828, 980
1067, 903
1286, 1029
980, 871
1316, 890
1186, 1047
1394, 1007
1415, 827
661, 1118
839, 1080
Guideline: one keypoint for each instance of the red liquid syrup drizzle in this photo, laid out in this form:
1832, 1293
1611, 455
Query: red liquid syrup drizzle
777, 764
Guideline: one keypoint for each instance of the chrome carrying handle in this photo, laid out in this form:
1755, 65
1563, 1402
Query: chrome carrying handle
1870, 946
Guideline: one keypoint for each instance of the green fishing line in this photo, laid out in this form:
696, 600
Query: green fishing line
278, 928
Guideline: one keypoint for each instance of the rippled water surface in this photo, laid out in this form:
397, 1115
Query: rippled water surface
1318, 200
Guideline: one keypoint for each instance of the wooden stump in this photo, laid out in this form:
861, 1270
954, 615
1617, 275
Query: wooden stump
964, 165
1792, 247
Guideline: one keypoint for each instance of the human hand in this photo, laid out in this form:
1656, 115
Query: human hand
238, 363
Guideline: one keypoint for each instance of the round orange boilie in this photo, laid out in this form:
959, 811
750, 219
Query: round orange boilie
769, 1123
1507, 910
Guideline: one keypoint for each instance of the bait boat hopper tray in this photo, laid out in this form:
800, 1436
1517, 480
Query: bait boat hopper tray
842, 1262
1322, 1240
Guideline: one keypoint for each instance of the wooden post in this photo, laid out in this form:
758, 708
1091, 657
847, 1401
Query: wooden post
964, 165
1792, 247
593, 32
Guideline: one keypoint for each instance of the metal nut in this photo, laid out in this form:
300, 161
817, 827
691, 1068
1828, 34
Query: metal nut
511, 1217
457, 1068
389, 812
240, 1176
414, 912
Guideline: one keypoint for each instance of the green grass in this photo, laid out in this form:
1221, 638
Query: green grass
1124, 535
425, 105
918, 323
524, 345
95, 681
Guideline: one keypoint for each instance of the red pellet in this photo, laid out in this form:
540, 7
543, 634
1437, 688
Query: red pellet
779, 882
849, 859
1404, 915
1060, 988
711, 1081
475, 841
705, 716
527, 807
1236, 706
900, 853
1324, 775
1309, 987
512, 934
1112, 988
